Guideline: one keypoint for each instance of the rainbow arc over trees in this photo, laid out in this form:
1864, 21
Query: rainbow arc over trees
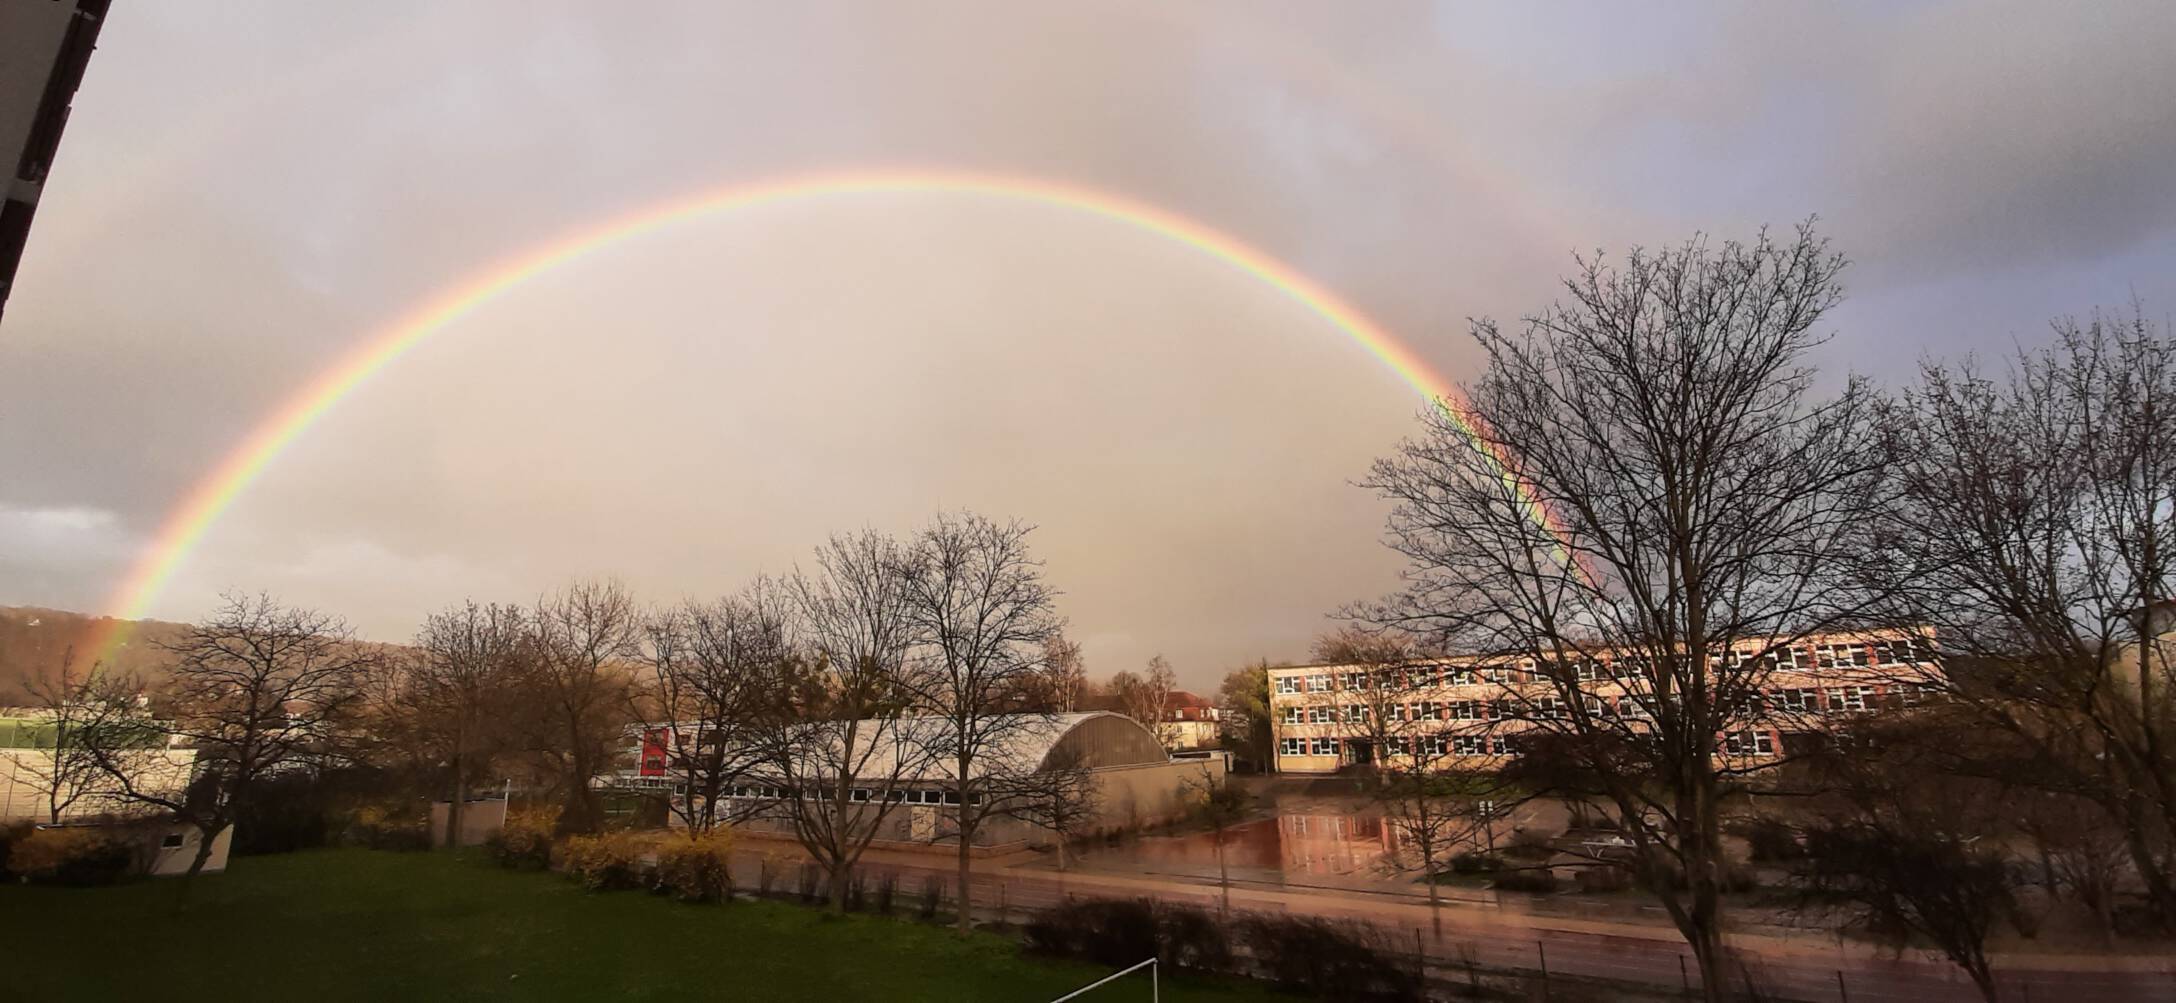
184, 529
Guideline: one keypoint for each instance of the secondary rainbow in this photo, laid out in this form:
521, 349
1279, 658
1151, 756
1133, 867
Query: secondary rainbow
180, 534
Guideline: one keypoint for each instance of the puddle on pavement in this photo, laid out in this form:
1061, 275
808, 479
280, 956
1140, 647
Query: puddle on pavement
1289, 844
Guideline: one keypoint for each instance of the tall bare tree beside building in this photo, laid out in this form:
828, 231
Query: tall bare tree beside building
1062, 798
256, 689
1063, 681
453, 694
981, 614
713, 669
1699, 495
1377, 682
582, 643
1146, 697
841, 737
2037, 533
72, 707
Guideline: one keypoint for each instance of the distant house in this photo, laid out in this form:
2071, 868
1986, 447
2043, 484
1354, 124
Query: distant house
1191, 721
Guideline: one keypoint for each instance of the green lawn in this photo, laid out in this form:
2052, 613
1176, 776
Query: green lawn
361, 925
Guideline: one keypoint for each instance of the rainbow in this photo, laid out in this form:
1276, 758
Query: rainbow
184, 530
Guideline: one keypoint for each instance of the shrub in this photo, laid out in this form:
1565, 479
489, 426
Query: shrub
698, 869
9, 836
1770, 840
1111, 932
932, 897
377, 828
1327, 958
1539, 879
1119, 932
525, 841
78, 856
1191, 937
810, 881
887, 887
857, 891
1607, 878
1476, 862
611, 862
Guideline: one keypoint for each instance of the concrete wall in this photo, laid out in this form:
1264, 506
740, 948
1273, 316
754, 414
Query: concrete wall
173, 861
1144, 795
479, 819
22, 787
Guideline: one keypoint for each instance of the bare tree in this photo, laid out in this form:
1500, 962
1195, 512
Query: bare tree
257, 689
840, 744
1146, 697
1423, 779
981, 615
1375, 685
1062, 797
581, 643
713, 667
1905, 847
1221, 804
72, 709
1434, 802
1644, 473
2038, 534
452, 697
1063, 680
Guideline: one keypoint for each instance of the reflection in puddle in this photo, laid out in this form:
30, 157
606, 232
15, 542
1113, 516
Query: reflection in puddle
1289, 844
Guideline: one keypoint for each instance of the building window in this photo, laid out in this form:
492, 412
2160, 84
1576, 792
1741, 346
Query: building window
1849, 698
1749, 743
1318, 683
1291, 715
1465, 710
1288, 684
1909, 694
1325, 746
1797, 701
172, 841
1293, 747
1319, 715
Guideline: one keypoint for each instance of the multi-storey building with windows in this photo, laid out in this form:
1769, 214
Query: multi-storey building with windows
1471, 711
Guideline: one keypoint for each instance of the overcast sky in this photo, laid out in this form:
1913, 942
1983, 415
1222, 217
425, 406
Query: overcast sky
246, 191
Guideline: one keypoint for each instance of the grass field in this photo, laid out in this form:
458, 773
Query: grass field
360, 925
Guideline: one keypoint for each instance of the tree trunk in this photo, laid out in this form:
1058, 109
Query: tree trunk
203, 849
838, 876
1983, 979
2159, 890
966, 920
460, 795
1707, 951
1223, 877
962, 764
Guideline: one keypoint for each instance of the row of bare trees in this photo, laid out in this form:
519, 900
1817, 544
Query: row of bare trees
887, 664
1650, 474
